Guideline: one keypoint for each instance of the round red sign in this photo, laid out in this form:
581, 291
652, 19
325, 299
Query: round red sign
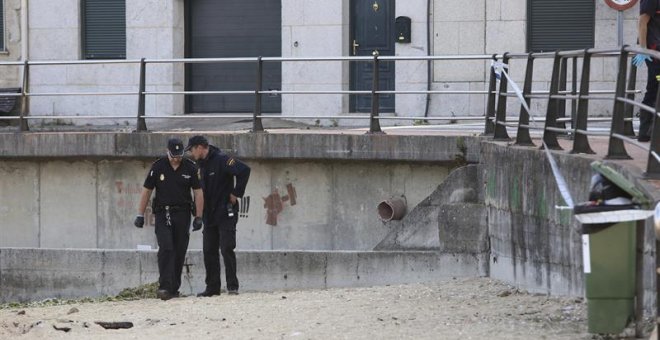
621, 5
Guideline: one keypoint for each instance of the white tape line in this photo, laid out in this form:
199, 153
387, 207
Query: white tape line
561, 182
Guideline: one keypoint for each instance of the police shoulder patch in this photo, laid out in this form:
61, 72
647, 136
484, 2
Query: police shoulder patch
231, 162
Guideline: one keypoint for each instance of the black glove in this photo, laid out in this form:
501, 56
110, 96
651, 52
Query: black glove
197, 223
139, 221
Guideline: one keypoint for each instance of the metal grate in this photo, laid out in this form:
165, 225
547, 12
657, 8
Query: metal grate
560, 25
104, 29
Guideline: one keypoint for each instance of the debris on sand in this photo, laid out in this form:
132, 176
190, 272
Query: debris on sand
115, 325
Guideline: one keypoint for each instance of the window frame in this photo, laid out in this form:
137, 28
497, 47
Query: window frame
3, 27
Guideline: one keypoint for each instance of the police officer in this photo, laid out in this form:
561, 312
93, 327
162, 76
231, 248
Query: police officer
172, 177
649, 37
221, 194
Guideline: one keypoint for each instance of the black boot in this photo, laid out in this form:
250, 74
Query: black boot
209, 292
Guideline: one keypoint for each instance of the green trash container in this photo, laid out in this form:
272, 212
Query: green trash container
610, 280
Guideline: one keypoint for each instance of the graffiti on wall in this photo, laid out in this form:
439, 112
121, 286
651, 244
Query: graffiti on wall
275, 203
128, 199
244, 207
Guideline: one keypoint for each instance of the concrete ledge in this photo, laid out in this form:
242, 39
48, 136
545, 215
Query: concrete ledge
28, 274
303, 146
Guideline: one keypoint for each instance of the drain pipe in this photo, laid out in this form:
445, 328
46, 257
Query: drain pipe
428, 53
25, 48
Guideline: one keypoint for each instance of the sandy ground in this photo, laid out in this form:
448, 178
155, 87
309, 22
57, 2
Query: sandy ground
455, 309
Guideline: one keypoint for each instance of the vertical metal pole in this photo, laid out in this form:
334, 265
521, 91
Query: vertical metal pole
25, 100
657, 287
257, 126
374, 124
640, 240
550, 137
561, 103
574, 92
616, 148
581, 141
489, 128
500, 115
523, 137
628, 112
619, 26
142, 88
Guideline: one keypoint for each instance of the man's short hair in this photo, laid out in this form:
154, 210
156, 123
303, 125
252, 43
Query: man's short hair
197, 140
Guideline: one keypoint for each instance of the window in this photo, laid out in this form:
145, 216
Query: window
104, 29
560, 25
2, 25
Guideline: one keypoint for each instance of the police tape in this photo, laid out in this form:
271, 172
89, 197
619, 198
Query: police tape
500, 69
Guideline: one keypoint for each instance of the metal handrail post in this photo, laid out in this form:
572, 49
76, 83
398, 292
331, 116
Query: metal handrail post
489, 128
549, 136
257, 125
374, 123
561, 103
142, 88
574, 92
500, 115
523, 137
628, 112
616, 148
25, 100
580, 140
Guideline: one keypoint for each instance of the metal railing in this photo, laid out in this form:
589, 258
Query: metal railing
497, 93
621, 129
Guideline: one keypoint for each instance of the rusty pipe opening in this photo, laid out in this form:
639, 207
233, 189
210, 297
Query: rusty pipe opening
392, 209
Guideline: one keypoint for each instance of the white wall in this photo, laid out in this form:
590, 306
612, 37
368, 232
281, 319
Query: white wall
314, 28
155, 29
10, 76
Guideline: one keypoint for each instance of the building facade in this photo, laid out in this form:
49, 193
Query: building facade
170, 29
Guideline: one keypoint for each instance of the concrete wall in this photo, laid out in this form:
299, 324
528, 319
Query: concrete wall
292, 204
532, 244
35, 274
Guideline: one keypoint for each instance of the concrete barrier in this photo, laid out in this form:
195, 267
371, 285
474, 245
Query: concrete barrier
29, 274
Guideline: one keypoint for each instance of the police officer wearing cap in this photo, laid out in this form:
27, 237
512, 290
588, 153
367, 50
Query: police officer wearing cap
172, 177
224, 179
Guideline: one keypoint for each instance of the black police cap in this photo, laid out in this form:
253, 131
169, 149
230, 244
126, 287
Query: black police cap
197, 140
175, 147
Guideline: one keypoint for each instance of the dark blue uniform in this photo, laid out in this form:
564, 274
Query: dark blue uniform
172, 206
218, 171
652, 8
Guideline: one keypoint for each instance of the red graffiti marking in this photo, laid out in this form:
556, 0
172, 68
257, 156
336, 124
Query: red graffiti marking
130, 188
129, 196
274, 203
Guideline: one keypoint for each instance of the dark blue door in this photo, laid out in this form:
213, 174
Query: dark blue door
372, 31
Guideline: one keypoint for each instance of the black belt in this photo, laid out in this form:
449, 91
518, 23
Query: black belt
171, 208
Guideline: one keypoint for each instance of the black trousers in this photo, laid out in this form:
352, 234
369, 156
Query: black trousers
172, 246
646, 118
220, 235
